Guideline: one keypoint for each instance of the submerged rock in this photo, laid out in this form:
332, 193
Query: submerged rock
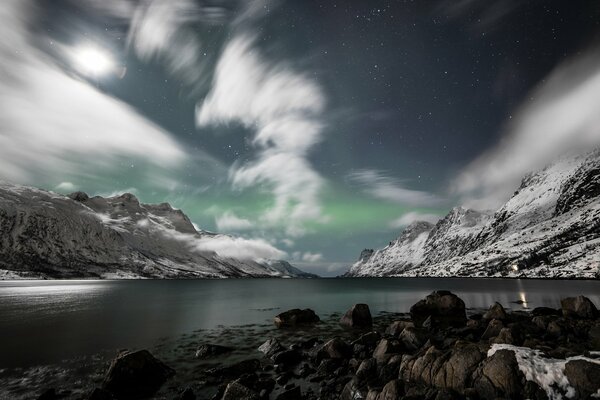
136, 375
359, 316
295, 317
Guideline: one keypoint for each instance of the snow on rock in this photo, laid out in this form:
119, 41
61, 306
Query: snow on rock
549, 228
547, 373
46, 235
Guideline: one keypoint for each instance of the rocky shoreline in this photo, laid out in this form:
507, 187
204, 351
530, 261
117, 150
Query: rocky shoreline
439, 351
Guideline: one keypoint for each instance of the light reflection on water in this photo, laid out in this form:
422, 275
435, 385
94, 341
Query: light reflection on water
44, 321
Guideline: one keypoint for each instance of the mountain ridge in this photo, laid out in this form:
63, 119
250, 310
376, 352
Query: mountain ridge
549, 228
48, 235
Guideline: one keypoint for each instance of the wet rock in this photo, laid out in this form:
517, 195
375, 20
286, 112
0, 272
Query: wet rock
368, 339
385, 349
584, 376
578, 307
443, 307
335, 348
498, 376
412, 338
211, 350
496, 312
237, 391
354, 390
236, 370
136, 374
493, 329
270, 347
505, 336
359, 316
287, 358
291, 394
397, 327
296, 317
101, 394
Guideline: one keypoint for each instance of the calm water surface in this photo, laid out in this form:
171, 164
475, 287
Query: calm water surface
46, 321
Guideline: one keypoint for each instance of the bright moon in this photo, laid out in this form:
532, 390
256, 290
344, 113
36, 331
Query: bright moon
93, 61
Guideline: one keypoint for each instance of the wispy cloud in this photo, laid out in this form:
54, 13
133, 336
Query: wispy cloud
561, 115
230, 222
379, 185
51, 121
284, 108
413, 216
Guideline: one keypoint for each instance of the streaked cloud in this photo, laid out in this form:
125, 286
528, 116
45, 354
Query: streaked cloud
55, 125
379, 185
413, 216
284, 108
239, 248
561, 115
230, 222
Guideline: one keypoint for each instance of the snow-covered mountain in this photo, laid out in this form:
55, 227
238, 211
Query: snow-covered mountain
44, 234
549, 228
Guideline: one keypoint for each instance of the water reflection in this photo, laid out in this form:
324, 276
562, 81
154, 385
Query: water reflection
57, 319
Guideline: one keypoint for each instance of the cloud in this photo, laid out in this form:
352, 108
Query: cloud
53, 124
312, 257
284, 108
377, 184
228, 222
66, 187
560, 116
238, 248
413, 216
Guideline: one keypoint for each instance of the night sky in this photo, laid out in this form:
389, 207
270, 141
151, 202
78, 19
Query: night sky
319, 127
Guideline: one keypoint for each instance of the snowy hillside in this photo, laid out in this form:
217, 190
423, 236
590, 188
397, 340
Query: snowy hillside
43, 234
549, 228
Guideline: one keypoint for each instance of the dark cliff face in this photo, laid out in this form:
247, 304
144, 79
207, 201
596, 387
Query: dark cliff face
80, 236
580, 188
550, 227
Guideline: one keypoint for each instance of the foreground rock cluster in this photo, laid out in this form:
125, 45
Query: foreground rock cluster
437, 352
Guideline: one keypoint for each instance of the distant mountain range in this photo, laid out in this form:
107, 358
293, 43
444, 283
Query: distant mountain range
47, 235
549, 228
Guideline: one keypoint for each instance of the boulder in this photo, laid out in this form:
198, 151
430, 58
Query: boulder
211, 350
296, 317
270, 347
336, 348
359, 316
498, 376
578, 307
385, 349
584, 376
367, 370
442, 307
187, 394
594, 337
368, 339
287, 357
237, 391
391, 391
412, 338
136, 374
397, 327
493, 329
496, 312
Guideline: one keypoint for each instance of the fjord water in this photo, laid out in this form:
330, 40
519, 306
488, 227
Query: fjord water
48, 321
